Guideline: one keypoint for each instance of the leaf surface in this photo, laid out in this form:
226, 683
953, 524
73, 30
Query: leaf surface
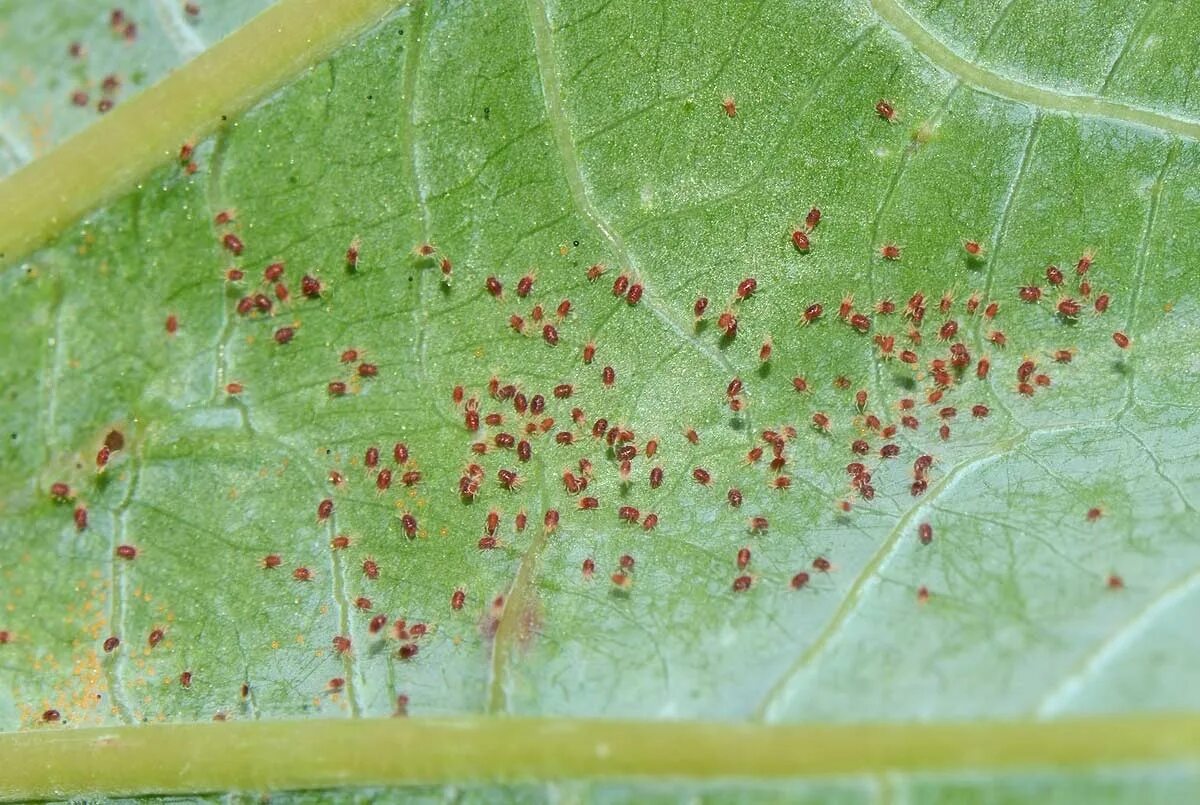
544, 139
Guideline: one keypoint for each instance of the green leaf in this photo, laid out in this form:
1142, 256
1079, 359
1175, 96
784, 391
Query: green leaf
545, 139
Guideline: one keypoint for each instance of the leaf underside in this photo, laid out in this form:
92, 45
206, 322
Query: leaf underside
542, 140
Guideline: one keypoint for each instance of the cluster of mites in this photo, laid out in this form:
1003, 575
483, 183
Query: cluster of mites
944, 371
123, 26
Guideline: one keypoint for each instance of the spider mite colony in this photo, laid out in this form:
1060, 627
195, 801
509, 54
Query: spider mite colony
944, 341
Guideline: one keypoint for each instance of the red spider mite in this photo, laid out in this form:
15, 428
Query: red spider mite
282, 293
1120, 339
284, 335
1085, 262
946, 302
234, 275
702, 476
336, 684
734, 388
324, 509
370, 568
562, 437
50, 716
172, 325
650, 522
846, 307
629, 514
800, 240
860, 322
537, 404
1041, 379
106, 104
746, 288
525, 285
1068, 308
742, 583
656, 477
1025, 370
885, 110
564, 307
871, 422
520, 521
302, 574
948, 330
1025, 389
620, 285
925, 533
127, 552
111, 643
362, 603
232, 243
1029, 293
922, 594
812, 313
820, 421
608, 376
1115, 582
155, 637
1094, 514
944, 432
550, 334
81, 517
508, 479
781, 482
889, 251
729, 106
411, 478
589, 503
594, 272
493, 286
1101, 303
812, 218
487, 543
310, 286
550, 520
764, 352
339, 543
743, 558
589, 567
727, 323
973, 248
860, 447
185, 679
889, 451
692, 436
822, 564
998, 338
563, 390
799, 580
457, 599
635, 293
367, 370
981, 368
341, 644
980, 411
407, 651
337, 388
699, 306
991, 310
273, 272
1053, 275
